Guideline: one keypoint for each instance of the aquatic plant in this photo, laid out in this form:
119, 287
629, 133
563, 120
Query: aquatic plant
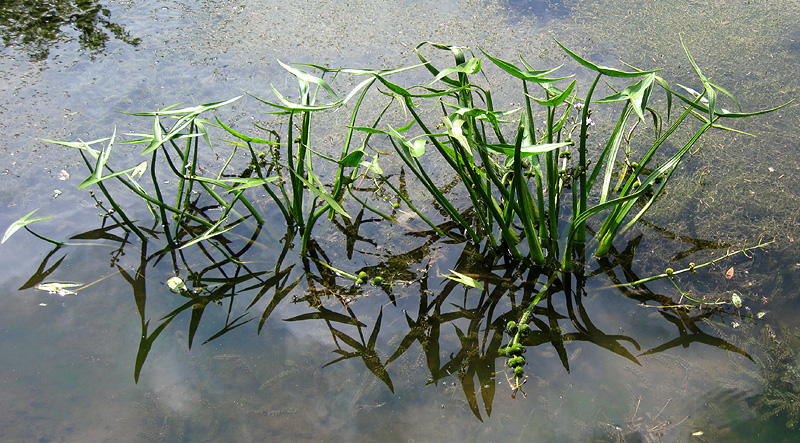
533, 189
535, 199
522, 185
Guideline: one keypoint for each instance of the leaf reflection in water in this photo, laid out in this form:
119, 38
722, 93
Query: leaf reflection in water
457, 330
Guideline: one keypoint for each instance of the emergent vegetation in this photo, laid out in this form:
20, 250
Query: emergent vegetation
532, 191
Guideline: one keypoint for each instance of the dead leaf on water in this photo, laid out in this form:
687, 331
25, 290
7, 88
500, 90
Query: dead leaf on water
63, 175
177, 285
61, 289
729, 274
736, 300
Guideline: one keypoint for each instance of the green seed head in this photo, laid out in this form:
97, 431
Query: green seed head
511, 327
519, 372
670, 271
377, 281
363, 275
516, 361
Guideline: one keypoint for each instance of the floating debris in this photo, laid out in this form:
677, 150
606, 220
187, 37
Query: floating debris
61, 289
177, 285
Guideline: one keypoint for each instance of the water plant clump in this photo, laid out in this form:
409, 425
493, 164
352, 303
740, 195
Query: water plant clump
538, 190
533, 187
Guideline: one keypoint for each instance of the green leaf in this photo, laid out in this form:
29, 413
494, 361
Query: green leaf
86, 146
465, 280
325, 196
245, 138
611, 72
367, 129
454, 129
290, 106
211, 232
558, 99
17, 225
139, 170
181, 123
97, 173
352, 159
373, 166
471, 66
525, 150
709, 90
304, 76
529, 75
636, 93
244, 183
417, 147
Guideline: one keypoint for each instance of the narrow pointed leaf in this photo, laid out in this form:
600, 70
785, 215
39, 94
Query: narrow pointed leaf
17, 225
611, 72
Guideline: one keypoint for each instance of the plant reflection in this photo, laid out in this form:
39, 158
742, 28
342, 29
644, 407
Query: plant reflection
38, 25
473, 319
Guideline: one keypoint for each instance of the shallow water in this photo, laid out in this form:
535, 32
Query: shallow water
68, 362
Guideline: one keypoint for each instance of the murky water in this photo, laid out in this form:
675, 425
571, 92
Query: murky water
613, 370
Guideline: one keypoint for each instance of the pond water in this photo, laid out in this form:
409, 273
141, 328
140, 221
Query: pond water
417, 360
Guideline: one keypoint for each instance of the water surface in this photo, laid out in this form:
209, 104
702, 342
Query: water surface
68, 362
